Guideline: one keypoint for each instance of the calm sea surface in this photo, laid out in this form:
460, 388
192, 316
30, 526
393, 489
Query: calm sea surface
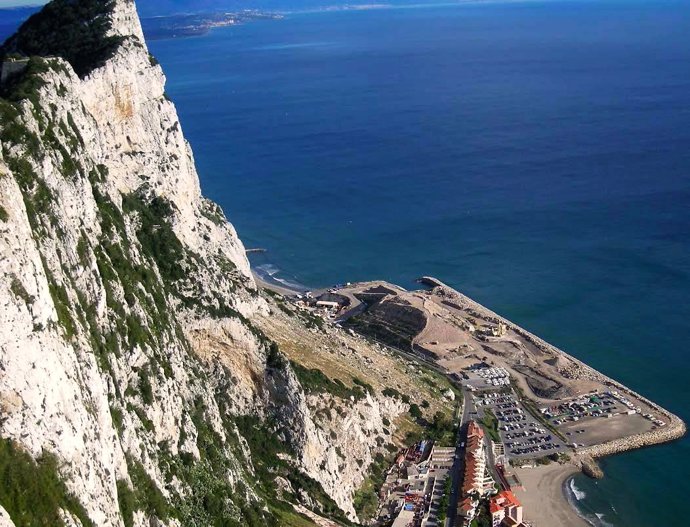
534, 155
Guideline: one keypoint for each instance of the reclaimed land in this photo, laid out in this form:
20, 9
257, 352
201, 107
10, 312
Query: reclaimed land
458, 333
674, 429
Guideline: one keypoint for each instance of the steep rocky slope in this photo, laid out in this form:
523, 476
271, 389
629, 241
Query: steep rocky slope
135, 388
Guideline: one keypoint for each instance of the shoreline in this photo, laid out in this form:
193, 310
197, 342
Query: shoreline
545, 496
675, 429
550, 483
281, 289
572, 500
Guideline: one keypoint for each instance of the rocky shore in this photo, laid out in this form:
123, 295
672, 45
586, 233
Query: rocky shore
590, 467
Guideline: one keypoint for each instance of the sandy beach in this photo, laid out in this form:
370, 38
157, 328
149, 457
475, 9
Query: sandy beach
272, 286
544, 502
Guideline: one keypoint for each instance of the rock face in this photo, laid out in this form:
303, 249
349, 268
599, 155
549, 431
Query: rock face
127, 349
343, 441
591, 468
5, 520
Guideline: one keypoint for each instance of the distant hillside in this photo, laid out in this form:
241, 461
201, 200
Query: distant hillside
161, 7
10, 19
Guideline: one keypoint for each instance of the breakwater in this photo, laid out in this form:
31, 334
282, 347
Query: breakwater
674, 428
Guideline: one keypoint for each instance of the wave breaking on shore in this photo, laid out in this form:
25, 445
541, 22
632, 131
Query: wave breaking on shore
576, 498
271, 273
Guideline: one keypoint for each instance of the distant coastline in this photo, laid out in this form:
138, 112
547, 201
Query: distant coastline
497, 203
198, 24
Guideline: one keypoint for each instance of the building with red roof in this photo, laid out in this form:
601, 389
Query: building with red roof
505, 509
475, 480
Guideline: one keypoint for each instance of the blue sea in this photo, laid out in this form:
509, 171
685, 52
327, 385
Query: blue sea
534, 155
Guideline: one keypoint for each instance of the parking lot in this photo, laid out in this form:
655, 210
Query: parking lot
523, 436
586, 407
592, 418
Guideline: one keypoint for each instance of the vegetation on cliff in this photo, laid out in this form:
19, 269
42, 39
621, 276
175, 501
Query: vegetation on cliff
366, 499
314, 380
76, 30
32, 492
122, 293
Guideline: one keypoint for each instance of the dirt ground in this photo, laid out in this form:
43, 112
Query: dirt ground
456, 331
344, 356
599, 430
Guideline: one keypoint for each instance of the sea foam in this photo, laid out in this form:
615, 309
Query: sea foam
578, 494
270, 272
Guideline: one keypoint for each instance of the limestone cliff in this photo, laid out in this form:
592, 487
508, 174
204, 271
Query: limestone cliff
130, 367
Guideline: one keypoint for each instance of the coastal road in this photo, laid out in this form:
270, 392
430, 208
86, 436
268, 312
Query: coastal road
490, 459
459, 463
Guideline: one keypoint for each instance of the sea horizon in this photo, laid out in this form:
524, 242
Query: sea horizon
467, 136
529, 154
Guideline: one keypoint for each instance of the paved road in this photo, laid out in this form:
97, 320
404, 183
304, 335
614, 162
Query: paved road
459, 463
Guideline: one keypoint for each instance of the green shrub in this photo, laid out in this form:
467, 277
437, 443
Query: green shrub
391, 392
38, 198
141, 414
127, 501
32, 492
149, 498
491, 425
117, 417
156, 236
14, 131
213, 212
26, 86
365, 499
3, 214
75, 30
62, 305
314, 380
445, 499
359, 382
83, 250
415, 411
19, 291
274, 358
265, 450
145, 387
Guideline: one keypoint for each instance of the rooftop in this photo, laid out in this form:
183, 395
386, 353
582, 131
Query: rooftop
502, 500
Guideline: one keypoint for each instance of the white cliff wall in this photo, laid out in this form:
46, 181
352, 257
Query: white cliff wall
104, 356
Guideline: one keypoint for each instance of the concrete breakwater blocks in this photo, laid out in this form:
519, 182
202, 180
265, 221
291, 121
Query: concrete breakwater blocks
674, 431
